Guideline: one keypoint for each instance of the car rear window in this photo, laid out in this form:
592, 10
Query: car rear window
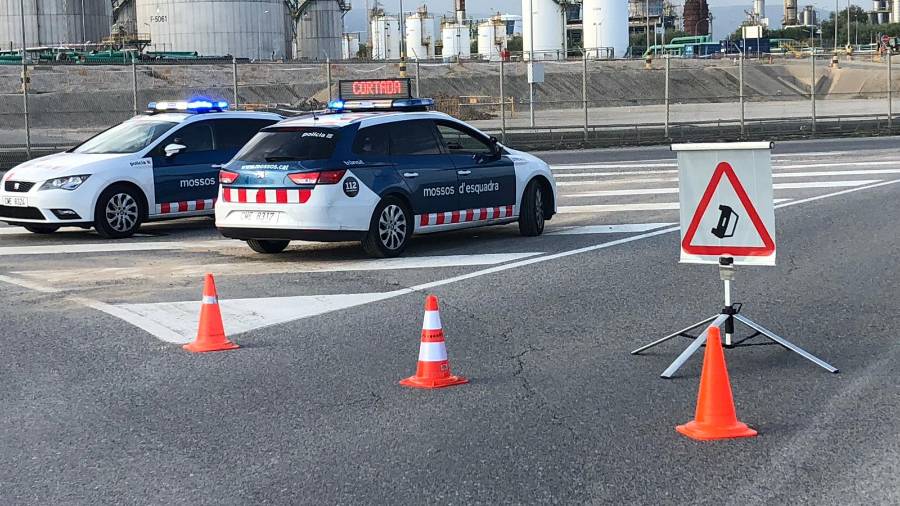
290, 144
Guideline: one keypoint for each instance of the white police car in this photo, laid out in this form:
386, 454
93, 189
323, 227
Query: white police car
164, 164
379, 168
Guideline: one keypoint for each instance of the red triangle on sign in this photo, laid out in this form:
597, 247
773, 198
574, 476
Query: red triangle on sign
768, 247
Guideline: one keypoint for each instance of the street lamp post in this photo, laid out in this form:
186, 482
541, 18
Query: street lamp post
402, 42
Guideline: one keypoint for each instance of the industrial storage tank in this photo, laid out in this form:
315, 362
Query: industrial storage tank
52, 22
808, 17
547, 31
457, 41
492, 39
320, 27
605, 26
243, 29
420, 35
790, 13
350, 46
385, 37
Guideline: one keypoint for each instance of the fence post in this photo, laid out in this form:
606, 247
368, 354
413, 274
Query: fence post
418, 89
584, 90
812, 89
328, 74
134, 86
741, 91
25, 104
502, 104
890, 94
666, 98
234, 76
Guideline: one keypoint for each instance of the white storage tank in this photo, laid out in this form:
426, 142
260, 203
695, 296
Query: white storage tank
350, 46
492, 39
52, 22
457, 41
320, 27
605, 26
548, 29
245, 28
385, 38
420, 35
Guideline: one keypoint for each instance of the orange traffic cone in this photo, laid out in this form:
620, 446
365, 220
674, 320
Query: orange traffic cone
715, 417
433, 370
210, 334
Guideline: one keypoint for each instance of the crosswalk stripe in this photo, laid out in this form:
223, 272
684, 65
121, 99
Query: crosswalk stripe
610, 208
625, 228
777, 186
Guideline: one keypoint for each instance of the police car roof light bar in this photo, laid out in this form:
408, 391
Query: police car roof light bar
197, 106
405, 104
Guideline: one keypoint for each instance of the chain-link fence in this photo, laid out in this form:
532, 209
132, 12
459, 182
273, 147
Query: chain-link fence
579, 102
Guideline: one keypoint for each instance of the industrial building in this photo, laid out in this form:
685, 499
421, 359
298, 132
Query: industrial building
53, 22
456, 37
696, 17
319, 27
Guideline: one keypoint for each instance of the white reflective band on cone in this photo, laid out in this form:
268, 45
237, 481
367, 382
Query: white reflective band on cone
432, 321
433, 352
207, 299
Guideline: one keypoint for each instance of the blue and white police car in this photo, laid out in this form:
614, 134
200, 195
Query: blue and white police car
164, 164
379, 167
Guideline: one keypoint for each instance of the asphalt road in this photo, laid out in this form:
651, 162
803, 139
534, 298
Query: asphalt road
100, 405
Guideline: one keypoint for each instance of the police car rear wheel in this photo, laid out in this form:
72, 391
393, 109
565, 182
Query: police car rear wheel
41, 229
390, 229
118, 213
531, 216
269, 247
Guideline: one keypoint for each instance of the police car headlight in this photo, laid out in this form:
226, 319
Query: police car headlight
64, 183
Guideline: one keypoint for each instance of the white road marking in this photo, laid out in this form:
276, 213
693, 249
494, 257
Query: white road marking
627, 228
614, 174
839, 164
176, 322
73, 278
777, 186
612, 208
595, 182
273, 310
675, 171
114, 247
595, 166
872, 172
24, 283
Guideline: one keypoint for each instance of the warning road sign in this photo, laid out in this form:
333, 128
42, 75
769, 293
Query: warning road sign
727, 208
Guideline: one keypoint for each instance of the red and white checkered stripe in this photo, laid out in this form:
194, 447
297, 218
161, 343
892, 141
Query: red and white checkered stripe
185, 206
465, 216
266, 196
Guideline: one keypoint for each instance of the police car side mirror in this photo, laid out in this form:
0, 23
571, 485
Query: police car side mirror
174, 149
495, 146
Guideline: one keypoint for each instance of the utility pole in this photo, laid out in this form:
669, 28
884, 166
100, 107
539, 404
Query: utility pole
647, 28
502, 104
403, 42
531, 61
741, 91
668, 62
25, 84
848, 23
836, 7
812, 89
584, 90
890, 93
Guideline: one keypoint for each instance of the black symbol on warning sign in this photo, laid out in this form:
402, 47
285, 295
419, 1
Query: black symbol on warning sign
722, 230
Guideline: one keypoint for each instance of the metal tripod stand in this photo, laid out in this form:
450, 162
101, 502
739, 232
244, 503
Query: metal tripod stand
725, 321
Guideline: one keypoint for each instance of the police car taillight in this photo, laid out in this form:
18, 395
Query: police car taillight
227, 177
324, 177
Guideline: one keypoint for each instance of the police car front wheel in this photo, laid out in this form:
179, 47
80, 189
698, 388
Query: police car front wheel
41, 229
118, 213
389, 230
531, 216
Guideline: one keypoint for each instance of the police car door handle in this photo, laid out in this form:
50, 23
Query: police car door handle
464, 172
218, 165
410, 174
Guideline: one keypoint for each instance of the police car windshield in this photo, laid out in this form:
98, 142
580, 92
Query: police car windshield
290, 144
129, 137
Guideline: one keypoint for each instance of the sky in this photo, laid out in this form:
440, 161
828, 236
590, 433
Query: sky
726, 13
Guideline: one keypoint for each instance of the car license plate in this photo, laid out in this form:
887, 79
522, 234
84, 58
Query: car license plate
15, 201
265, 217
